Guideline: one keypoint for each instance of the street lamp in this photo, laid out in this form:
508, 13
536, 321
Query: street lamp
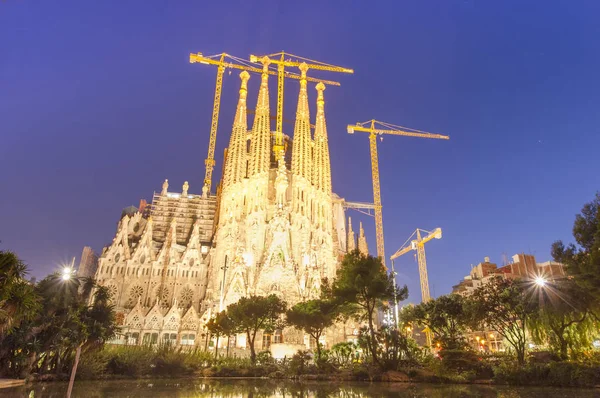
67, 273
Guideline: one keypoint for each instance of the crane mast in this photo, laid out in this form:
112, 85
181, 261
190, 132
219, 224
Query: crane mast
419, 246
371, 128
280, 60
223, 61
377, 195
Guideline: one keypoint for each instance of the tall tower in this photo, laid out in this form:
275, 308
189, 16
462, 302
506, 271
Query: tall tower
351, 240
302, 167
321, 179
362, 241
235, 167
275, 232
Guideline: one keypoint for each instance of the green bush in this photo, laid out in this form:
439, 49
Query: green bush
92, 364
298, 365
264, 358
342, 354
558, 374
467, 364
172, 362
360, 373
513, 374
573, 374
130, 361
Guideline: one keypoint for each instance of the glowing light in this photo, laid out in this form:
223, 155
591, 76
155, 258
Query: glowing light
204, 249
541, 282
491, 335
67, 273
248, 258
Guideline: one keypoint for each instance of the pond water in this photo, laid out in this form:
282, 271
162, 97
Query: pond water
232, 388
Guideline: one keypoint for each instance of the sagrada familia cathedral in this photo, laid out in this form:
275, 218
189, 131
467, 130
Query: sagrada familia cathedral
274, 227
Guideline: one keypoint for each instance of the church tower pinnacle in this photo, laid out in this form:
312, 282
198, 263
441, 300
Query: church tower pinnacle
362, 241
322, 169
260, 147
301, 155
235, 168
351, 237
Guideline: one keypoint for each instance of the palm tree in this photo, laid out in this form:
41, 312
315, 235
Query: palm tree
18, 300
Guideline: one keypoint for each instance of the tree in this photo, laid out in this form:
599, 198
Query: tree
313, 317
254, 313
503, 305
583, 261
220, 325
447, 317
363, 282
66, 320
18, 300
563, 318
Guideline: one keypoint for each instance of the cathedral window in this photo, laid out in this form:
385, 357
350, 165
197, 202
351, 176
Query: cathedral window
134, 294
150, 338
188, 339
112, 292
170, 338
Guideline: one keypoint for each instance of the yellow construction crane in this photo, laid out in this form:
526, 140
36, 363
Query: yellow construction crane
418, 244
375, 128
222, 62
292, 60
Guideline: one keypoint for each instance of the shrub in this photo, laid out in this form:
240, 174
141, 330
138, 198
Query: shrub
512, 373
92, 364
467, 364
342, 354
169, 361
264, 358
299, 363
573, 374
130, 361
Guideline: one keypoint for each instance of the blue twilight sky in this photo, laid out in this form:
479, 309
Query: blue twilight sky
98, 105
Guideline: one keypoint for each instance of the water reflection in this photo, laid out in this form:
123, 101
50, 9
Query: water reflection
230, 388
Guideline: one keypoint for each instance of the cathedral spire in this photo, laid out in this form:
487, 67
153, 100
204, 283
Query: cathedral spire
351, 241
261, 129
235, 168
301, 154
322, 165
362, 241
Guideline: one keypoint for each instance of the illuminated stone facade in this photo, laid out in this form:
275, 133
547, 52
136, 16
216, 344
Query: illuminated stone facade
275, 228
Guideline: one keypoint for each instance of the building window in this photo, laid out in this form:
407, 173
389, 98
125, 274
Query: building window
277, 337
266, 341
